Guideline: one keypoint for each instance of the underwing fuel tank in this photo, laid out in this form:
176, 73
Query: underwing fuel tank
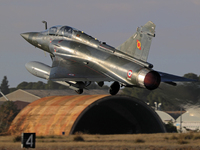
43, 71
38, 69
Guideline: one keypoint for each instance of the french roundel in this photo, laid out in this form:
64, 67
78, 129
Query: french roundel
129, 73
138, 44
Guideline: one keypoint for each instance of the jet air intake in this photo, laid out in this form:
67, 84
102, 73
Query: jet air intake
148, 79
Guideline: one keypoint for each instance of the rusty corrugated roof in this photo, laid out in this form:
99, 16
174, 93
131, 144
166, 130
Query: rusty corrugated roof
52, 115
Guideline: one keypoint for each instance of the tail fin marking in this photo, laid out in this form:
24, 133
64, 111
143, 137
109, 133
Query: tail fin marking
138, 45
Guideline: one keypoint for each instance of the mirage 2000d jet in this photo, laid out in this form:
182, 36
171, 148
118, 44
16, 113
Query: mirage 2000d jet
79, 59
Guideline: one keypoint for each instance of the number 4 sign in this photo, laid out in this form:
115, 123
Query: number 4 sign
28, 140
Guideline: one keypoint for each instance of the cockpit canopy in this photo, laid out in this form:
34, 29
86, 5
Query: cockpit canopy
65, 31
53, 30
69, 32
60, 31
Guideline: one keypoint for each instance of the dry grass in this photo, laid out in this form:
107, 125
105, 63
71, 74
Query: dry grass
110, 142
173, 137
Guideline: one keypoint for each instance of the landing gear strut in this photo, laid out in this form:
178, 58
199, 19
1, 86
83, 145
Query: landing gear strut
114, 88
80, 91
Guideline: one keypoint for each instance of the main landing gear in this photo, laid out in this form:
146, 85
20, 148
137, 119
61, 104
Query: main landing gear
114, 88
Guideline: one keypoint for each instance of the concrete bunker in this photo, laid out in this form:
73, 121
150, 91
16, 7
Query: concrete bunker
93, 114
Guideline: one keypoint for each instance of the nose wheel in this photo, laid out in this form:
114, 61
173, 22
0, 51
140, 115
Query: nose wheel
80, 91
114, 88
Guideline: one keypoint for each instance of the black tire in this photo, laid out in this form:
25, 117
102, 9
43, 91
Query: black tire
80, 91
114, 88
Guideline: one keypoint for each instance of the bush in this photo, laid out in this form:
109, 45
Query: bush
181, 141
166, 138
40, 137
139, 141
78, 138
170, 127
52, 141
17, 139
52, 136
173, 137
8, 111
187, 136
196, 137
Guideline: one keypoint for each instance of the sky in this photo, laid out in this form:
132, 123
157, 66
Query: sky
174, 50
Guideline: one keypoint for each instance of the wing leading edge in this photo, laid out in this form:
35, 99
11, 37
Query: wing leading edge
170, 79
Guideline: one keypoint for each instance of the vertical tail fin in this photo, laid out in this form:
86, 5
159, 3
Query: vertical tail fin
138, 44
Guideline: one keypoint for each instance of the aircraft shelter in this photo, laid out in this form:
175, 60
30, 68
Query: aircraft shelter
92, 114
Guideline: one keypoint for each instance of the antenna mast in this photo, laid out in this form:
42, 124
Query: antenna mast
45, 24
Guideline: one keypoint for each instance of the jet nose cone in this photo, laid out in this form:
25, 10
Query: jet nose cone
31, 37
25, 35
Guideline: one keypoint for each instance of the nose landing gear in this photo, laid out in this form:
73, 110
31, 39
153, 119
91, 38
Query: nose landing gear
80, 91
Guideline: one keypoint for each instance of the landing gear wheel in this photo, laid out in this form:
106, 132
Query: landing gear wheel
114, 88
101, 83
80, 91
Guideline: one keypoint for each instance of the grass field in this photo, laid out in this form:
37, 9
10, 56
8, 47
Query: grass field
184, 141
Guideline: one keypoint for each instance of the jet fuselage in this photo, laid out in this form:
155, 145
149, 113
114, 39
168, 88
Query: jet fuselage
79, 59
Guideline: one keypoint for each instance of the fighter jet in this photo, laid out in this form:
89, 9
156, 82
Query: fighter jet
79, 59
